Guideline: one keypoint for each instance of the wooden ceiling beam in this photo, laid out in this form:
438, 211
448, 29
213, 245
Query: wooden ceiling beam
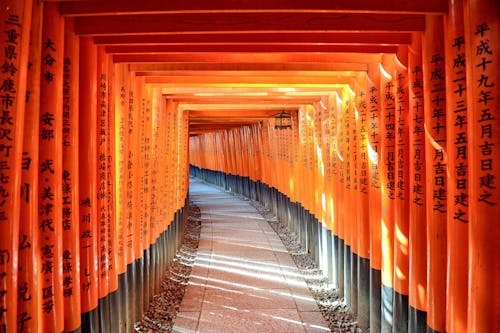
246, 22
257, 48
385, 38
218, 114
209, 68
109, 7
332, 70
249, 80
205, 101
255, 58
243, 103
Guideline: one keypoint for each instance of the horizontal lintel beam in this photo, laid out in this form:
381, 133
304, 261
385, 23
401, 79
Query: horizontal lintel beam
386, 38
247, 48
246, 22
109, 7
255, 58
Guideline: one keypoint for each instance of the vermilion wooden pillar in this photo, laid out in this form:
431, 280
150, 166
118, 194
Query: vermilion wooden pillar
334, 184
457, 147
70, 178
363, 202
436, 175
341, 193
401, 204
121, 146
349, 219
29, 308
15, 22
111, 176
417, 187
388, 185
375, 197
88, 183
482, 37
51, 169
132, 236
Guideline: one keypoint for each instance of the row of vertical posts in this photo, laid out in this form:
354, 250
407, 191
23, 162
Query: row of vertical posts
93, 180
399, 169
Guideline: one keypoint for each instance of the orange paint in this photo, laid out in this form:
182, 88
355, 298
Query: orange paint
111, 178
51, 169
70, 182
102, 157
343, 176
121, 148
363, 199
351, 156
87, 146
402, 159
436, 159
417, 179
388, 165
374, 160
29, 299
135, 113
15, 20
335, 162
458, 201
482, 23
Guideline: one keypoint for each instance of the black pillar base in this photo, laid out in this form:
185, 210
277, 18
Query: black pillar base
363, 292
400, 307
90, 321
417, 322
375, 300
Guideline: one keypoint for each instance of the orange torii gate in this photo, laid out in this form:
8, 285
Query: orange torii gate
389, 174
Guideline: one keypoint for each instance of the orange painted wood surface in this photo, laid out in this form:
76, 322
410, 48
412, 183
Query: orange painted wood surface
87, 147
51, 169
29, 308
458, 179
402, 162
15, 21
435, 155
70, 181
481, 33
417, 181
388, 165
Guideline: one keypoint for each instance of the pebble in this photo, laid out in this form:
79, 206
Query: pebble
165, 305
333, 307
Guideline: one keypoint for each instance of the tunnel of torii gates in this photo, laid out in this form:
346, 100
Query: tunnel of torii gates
389, 175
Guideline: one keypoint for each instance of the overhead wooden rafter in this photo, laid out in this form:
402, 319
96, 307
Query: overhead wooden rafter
110, 7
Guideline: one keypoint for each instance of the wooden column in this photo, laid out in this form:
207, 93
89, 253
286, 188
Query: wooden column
88, 183
458, 194
388, 186
29, 309
51, 169
436, 176
401, 204
482, 24
70, 187
375, 195
417, 185
15, 22
363, 202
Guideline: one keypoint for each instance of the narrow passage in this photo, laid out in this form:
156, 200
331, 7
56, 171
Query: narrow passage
243, 279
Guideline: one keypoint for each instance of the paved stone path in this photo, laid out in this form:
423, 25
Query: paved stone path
243, 279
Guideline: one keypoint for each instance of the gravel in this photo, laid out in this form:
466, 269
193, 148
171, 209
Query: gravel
333, 307
165, 305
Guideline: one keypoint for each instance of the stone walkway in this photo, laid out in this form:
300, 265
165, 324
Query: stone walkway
243, 279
